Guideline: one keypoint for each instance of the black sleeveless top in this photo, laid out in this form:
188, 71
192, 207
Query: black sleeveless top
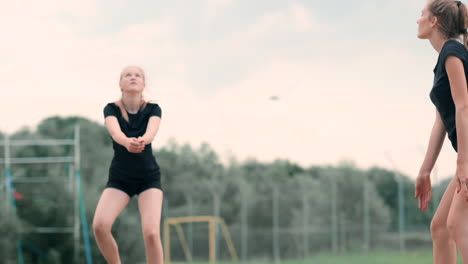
125, 162
441, 94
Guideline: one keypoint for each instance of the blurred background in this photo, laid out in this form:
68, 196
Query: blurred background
301, 124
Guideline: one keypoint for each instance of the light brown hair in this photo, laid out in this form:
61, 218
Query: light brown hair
452, 18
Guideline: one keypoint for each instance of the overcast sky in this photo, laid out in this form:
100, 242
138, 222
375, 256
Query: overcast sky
352, 78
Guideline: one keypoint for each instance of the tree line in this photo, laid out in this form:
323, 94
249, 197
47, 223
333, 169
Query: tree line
196, 181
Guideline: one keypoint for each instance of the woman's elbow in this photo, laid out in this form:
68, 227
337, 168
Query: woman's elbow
462, 108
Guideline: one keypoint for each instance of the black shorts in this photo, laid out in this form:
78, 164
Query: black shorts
136, 183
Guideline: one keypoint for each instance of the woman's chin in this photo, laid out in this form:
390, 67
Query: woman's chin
133, 91
421, 36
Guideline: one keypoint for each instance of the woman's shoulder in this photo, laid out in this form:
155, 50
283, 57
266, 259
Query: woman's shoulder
111, 109
453, 46
111, 104
152, 105
153, 109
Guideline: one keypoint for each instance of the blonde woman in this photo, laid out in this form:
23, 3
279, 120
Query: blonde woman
132, 123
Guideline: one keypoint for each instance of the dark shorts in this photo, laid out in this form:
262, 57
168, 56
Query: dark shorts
134, 184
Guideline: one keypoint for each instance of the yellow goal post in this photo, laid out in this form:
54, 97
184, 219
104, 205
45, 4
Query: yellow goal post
212, 221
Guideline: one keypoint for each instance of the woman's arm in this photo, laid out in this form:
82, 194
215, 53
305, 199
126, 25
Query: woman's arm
422, 187
436, 141
131, 144
458, 86
151, 130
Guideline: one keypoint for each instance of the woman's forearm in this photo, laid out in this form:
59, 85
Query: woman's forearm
461, 118
436, 141
120, 138
151, 130
115, 132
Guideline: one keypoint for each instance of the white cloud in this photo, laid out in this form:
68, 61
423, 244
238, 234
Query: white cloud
294, 18
83, 8
213, 9
303, 18
257, 41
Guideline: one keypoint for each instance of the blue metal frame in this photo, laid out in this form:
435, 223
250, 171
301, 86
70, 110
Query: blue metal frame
20, 252
11, 194
20, 244
10, 189
84, 221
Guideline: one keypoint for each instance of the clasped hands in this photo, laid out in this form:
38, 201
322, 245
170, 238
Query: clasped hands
135, 145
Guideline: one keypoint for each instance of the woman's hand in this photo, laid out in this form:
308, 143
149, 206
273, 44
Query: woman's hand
423, 190
142, 140
462, 180
135, 145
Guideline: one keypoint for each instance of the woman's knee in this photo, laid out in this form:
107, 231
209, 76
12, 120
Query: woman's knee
439, 230
152, 235
100, 226
452, 227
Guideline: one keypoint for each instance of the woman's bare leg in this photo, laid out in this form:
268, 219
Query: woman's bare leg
110, 205
150, 205
445, 251
457, 224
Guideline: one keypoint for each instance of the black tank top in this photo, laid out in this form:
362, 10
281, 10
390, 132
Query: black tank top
441, 94
125, 162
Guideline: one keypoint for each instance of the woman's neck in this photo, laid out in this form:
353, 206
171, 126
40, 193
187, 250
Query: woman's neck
132, 102
438, 41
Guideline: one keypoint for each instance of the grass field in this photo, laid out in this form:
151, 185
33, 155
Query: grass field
372, 258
